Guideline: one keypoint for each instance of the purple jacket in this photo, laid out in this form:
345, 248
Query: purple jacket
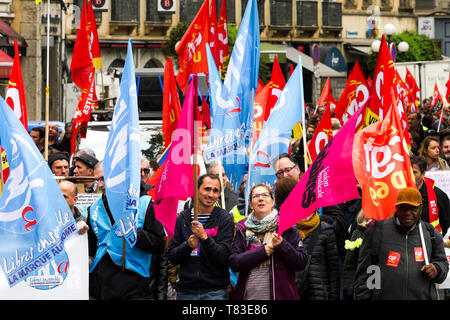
288, 257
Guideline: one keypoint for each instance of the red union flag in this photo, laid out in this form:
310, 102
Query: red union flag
15, 95
321, 136
171, 102
355, 95
382, 165
192, 48
222, 35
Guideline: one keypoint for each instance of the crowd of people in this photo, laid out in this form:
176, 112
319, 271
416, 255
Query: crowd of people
230, 251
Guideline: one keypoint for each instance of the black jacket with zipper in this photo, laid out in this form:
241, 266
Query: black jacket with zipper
208, 271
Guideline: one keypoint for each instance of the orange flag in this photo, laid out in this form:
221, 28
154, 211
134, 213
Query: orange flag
192, 48
355, 95
222, 36
326, 97
322, 135
382, 165
15, 95
171, 103
437, 102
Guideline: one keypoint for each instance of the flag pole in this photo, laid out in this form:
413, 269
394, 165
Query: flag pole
195, 153
47, 88
444, 103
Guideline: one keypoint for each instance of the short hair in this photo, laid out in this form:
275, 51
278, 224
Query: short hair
145, 160
209, 175
445, 138
41, 131
211, 165
281, 156
260, 185
88, 151
417, 113
420, 162
73, 185
283, 188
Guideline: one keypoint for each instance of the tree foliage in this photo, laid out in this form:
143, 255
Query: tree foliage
421, 48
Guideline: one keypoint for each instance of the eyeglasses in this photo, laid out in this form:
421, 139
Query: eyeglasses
145, 170
280, 173
264, 195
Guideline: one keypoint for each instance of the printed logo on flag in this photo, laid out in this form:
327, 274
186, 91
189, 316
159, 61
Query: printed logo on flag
418, 254
393, 259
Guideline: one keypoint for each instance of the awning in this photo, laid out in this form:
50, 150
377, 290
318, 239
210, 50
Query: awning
6, 63
307, 61
9, 35
268, 51
361, 50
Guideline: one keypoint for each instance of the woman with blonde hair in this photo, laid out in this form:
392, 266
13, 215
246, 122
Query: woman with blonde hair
430, 150
266, 261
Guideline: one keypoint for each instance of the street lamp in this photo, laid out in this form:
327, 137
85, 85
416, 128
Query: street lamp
389, 30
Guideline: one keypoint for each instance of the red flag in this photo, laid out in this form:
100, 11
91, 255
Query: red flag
447, 85
91, 29
437, 102
277, 83
382, 165
260, 105
260, 85
412, 86
291, 70
326, 98
15, 95
206, 113
4, 166
213, 35
383, 81
355, 95
322, 135
222, 36
192, 48
171, 103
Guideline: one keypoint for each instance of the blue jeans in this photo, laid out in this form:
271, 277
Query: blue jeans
211, 295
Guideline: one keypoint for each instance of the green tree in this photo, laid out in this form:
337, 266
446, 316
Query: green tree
421, 48
156, 143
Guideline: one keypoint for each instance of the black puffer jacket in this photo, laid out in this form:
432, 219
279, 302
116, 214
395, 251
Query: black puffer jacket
323, 273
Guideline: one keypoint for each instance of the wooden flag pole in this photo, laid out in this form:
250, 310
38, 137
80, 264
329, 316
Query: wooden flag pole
47, 87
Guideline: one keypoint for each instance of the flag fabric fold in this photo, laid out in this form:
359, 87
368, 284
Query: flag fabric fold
35, 220
121, 165
328, 181
382, 165
191, 48
15, 95
171, 102
177, 177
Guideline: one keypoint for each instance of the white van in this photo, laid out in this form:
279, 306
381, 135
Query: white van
98, 131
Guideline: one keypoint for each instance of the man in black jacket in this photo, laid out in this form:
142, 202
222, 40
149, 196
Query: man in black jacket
201, 247
113, 277
394, 262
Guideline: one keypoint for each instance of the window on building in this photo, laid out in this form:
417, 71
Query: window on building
280, 12
260, 10
332, 14
154, 16
127, 11
189, 9
306, 13
231, 11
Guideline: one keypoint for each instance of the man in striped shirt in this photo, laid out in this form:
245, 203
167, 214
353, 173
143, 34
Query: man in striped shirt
201, 247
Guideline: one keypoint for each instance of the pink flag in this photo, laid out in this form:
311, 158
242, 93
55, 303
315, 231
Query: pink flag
177, 177
329, 180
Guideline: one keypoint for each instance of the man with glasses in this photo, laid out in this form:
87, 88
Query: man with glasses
284, 165
146, 173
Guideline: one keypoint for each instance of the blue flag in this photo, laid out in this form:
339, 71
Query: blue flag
276, 134
241, 79
35, 219
121, 165
226, 142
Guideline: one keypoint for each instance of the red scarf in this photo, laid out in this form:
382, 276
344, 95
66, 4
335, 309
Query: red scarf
433, 211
